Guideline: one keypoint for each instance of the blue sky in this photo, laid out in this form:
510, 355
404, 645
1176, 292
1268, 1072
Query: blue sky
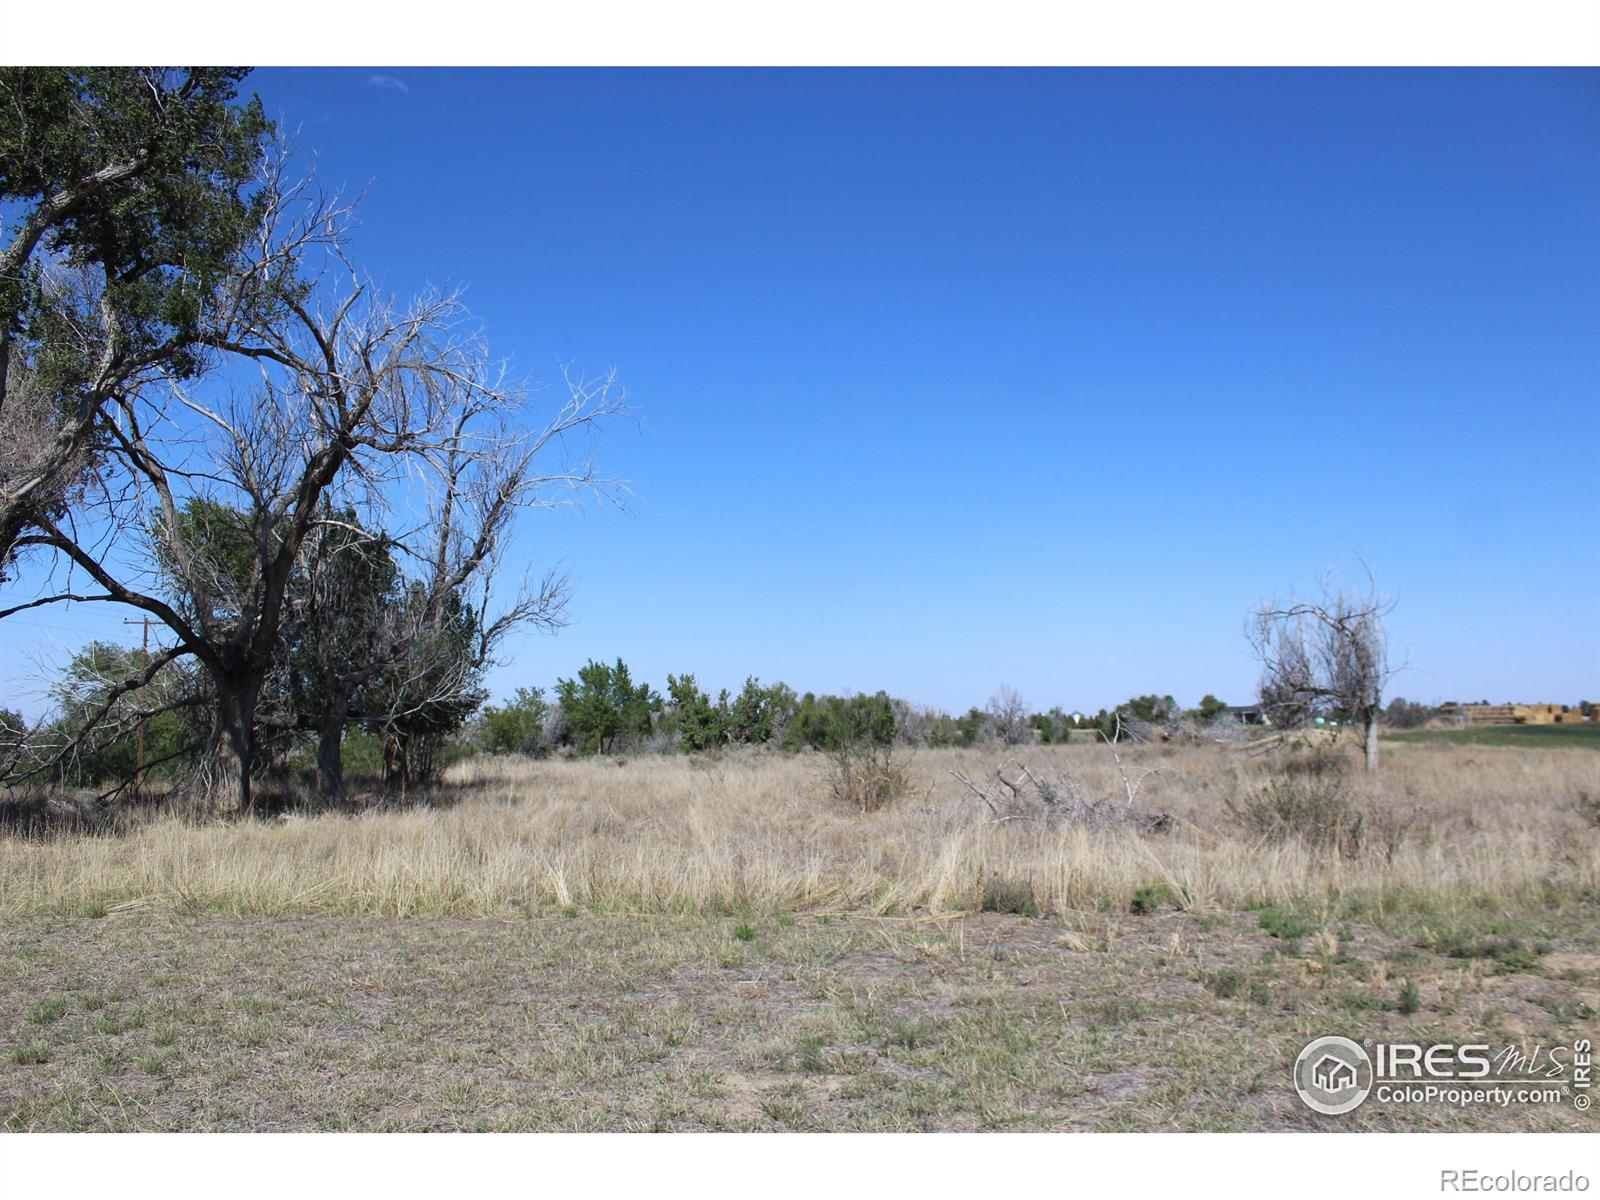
952, 378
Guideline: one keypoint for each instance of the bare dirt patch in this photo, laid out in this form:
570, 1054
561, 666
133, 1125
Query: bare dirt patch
1168, 1021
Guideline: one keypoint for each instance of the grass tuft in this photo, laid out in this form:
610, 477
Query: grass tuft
29, 1054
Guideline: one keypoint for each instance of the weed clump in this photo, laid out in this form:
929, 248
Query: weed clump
1152, 897
1001, 894
1312, 808
1225, 984
866, 776
29, 1054
1282, 923
1509, 954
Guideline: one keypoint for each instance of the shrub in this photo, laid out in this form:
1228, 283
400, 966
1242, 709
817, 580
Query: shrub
1006, 894
1152, 897
865, 775
1313, 808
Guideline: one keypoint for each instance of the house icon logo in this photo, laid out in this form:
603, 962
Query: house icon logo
1333, 1075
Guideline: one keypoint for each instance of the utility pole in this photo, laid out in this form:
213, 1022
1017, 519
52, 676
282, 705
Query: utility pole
144, 662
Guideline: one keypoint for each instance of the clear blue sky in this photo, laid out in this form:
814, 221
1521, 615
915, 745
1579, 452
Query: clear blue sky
953, 378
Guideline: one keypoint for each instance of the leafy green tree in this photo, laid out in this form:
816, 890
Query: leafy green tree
13, 739
517, 726
361, 646
1154, 709
103, 731
701, 725
972, 726
1408, 714
1211, 708
130, 188
433, 683
345, 630
602, 708
1103, 723
756, 713
1054, 727
830, 722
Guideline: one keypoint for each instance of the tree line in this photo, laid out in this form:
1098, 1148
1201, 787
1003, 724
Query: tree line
601, 710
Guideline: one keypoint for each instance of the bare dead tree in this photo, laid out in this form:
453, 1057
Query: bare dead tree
355, 400
1324, 656
406, 660
1008, 712
1061, 798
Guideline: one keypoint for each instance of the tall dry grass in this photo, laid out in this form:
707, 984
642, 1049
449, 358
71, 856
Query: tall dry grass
1444, 826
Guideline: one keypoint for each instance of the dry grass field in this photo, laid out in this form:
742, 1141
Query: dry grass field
674, 943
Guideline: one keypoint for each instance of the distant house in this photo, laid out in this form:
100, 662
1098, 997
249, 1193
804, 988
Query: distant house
1248, 714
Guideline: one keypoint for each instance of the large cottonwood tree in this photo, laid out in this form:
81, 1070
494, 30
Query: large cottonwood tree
337, 398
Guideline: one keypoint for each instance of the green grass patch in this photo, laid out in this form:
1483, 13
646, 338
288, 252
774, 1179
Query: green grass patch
49, 1011
113, 1024
1225, 983
1535, 737
1283, 923
29, 1054
1509, 954
1152, 897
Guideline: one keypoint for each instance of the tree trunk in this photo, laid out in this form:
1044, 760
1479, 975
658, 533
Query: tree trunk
236, 712
330, 756
1370, 730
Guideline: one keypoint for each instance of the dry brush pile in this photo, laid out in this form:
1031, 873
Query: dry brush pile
1213, 827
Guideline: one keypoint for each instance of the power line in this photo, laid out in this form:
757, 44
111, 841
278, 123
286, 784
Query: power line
144, 663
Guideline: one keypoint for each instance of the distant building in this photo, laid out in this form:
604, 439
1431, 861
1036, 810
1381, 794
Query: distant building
1248, 714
